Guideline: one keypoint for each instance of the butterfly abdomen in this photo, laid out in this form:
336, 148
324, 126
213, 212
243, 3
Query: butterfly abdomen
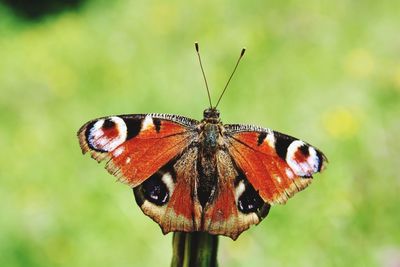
207, 179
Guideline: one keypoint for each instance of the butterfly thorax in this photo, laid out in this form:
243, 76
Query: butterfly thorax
210, 132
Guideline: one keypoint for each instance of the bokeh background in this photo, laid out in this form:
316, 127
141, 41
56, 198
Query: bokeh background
327, 72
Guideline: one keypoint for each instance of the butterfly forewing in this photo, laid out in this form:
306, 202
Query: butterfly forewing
136, 146
276, 165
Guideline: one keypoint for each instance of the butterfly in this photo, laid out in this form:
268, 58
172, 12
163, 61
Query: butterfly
190, 175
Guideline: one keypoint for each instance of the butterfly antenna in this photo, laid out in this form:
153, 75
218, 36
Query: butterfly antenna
233, 72
196, 45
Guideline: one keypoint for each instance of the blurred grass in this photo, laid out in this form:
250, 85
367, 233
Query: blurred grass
328, 73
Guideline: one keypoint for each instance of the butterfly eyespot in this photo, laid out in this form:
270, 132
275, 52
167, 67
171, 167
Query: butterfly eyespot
303, 159
156, 190
248, 200
104, 135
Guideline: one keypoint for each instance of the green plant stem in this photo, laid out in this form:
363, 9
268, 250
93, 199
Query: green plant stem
197, 249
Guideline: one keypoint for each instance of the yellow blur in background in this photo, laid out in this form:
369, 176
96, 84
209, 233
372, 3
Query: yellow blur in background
327, 73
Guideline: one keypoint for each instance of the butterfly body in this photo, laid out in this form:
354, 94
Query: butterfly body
210, 141
201, 176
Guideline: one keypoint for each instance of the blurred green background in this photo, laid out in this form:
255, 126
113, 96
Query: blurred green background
327, 72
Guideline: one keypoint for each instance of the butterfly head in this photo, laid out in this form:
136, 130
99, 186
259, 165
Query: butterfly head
211, 115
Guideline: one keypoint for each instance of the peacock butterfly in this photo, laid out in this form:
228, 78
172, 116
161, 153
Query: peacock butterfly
190, 175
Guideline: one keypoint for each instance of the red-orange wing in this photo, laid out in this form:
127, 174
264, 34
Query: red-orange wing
236, 206
168, 195
276, 165
136, 146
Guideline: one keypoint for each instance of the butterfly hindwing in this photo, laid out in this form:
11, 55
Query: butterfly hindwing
236, 205
276, 165
179, 210
136, 146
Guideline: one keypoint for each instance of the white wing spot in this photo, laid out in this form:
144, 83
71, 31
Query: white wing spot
240, 188
147, 122
169, 182
128, 159
270, 139
118, 151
